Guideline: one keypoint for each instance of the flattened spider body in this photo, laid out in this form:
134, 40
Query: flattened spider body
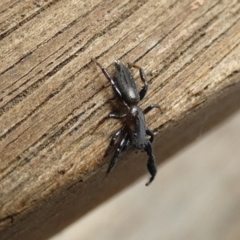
134, 131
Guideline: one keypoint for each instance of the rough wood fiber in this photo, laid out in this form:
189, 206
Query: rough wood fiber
52, 96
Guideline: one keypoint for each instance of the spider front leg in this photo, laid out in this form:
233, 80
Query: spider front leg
151, 163
107, 75
120, 147
143, 77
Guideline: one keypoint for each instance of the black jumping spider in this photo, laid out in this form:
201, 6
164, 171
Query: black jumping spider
134, 130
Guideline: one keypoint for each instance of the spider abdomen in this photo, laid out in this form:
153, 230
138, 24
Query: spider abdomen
137, 128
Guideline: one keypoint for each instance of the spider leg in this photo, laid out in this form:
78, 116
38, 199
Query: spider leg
120, 147
151, 134
126, 145
150, 107
110, 115
151, 163
117, 116
110, 79
113, 140
143, 77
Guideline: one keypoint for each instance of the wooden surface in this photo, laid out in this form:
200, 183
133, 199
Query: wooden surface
52, 96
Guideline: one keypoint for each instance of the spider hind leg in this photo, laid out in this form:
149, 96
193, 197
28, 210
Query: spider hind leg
120, 148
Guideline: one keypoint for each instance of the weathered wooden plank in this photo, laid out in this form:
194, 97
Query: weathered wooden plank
52, 96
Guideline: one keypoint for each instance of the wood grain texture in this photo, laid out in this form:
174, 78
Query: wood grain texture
52, 96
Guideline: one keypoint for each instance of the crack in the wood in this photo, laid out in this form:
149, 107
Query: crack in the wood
29, 79
70, 25
160, 40
49, 139
3, 35
185, 50
9, 218
45, 42
107, 50
10, 6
